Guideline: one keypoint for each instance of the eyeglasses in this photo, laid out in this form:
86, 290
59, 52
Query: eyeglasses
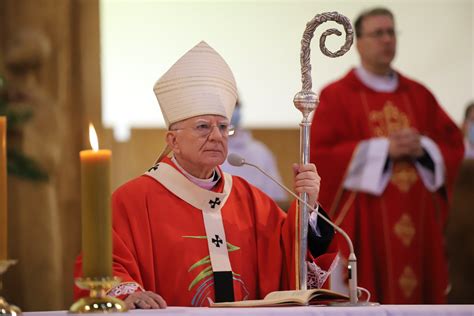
378, 34
204, 129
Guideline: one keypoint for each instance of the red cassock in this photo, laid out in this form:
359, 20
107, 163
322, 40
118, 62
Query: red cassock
398, 235
160, 243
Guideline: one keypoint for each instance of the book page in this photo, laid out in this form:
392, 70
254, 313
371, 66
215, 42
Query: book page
282, 298
257, 303
301, 296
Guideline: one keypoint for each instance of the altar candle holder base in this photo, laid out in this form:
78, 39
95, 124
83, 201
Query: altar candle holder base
5, 308
98, 300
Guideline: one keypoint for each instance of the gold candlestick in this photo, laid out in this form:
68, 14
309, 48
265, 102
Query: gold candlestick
96, 233
5, 308
96, 213
98, 301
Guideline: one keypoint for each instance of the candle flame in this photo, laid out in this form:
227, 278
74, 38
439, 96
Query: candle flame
94, 141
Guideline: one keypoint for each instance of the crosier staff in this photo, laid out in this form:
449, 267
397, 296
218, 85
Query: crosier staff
306, 101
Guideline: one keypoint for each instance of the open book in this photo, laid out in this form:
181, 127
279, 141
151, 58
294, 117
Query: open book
282, 298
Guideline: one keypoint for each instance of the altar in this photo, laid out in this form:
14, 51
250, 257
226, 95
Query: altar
382, 310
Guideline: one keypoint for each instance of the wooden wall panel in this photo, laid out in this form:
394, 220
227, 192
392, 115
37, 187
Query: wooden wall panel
285, 145
70, 78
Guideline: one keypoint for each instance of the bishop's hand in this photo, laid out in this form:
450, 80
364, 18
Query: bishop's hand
307, 180
145, 300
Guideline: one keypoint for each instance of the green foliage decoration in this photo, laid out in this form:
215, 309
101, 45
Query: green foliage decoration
18, 164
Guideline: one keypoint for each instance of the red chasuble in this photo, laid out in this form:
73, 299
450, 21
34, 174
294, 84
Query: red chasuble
398, 236
160, 243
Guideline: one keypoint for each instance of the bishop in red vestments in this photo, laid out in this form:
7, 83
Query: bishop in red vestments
185, 233
388, 155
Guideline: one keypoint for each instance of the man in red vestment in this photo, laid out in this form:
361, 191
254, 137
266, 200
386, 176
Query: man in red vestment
185, 233
388, 155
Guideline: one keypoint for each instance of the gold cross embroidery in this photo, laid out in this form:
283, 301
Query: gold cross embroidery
403, 176
405, 229
388, 120
408, 282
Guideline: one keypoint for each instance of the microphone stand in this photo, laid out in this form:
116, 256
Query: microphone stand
236, 160
306, 102
352, 261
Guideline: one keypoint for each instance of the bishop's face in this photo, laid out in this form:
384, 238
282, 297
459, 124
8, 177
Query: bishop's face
377, 43
199, 143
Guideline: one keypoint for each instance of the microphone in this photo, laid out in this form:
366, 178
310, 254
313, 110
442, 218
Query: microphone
237, 161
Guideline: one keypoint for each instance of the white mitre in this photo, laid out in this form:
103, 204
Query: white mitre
199, 83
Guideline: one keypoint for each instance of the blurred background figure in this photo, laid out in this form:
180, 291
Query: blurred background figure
242, 143
459, 232
388, 155
468, 129
460, 237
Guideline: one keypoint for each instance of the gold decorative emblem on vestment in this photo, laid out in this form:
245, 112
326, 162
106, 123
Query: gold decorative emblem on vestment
388, 120
408, 282
403, 176
405, 229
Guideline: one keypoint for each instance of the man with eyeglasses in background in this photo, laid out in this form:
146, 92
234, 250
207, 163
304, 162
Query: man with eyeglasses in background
185, 233
388, 154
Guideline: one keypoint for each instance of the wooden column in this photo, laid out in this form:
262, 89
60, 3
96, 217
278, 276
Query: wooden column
45, 218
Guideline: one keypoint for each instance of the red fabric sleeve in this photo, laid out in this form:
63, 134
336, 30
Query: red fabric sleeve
439, 127
449, 139
270, 223
332, 143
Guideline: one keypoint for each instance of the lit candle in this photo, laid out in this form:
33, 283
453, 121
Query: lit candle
3, 188
96, 213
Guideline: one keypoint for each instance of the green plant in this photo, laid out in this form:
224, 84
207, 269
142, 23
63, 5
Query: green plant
18, 164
